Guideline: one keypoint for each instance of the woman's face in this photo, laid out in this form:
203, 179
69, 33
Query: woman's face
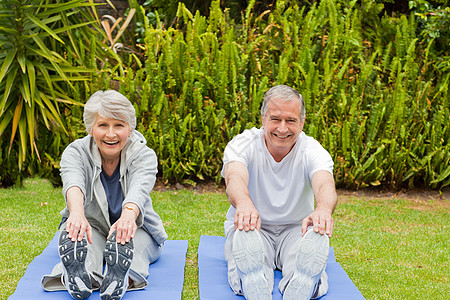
110, 135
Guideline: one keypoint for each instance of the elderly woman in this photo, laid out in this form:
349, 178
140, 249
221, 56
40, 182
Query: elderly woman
107, 178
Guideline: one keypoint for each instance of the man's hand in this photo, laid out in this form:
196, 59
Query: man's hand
326, 199
321, 221
246, 217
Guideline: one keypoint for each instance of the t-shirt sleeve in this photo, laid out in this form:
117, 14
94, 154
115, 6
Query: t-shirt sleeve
239, 148
318, 159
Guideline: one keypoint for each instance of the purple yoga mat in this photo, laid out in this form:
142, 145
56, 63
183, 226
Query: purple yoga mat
166, 275
213, 282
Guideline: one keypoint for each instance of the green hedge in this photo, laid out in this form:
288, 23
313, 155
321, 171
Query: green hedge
375, 96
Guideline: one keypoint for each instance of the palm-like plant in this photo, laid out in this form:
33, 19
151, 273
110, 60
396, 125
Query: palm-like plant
43, 45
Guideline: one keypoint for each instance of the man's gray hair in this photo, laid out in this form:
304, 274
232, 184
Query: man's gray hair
108, 104
283, 93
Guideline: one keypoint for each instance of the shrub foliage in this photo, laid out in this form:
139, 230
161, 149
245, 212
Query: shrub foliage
375, 96
42, 48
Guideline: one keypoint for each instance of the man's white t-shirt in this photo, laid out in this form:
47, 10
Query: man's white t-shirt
281, 191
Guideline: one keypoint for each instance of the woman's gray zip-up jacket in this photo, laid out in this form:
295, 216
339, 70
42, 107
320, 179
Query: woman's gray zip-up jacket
81, 166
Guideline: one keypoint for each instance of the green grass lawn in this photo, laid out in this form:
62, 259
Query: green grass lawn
391, 247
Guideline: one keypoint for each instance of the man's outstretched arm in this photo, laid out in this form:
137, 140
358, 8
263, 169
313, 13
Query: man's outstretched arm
236, 179
326, 200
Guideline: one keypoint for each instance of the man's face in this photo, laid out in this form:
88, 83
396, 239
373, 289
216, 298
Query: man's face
282, 125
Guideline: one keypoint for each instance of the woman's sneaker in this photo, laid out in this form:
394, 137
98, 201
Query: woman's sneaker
118, 259
75, 277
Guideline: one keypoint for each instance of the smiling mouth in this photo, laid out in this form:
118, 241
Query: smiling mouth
111, 143
282, 136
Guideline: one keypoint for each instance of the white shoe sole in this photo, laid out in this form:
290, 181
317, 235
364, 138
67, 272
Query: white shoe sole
249, 256
310, 262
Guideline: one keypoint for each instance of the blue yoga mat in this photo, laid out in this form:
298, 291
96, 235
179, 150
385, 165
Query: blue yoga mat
166, 275
213, 282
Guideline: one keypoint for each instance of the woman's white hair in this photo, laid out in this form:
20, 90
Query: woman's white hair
108, 104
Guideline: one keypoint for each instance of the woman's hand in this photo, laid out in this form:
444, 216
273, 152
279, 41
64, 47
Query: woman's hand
126, 224
77, 224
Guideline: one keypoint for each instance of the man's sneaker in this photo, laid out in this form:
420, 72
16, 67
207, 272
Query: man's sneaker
322, 286
118, 259
310, 262
249, 256
75, 277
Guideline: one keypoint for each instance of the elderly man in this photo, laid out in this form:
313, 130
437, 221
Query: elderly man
272, 176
